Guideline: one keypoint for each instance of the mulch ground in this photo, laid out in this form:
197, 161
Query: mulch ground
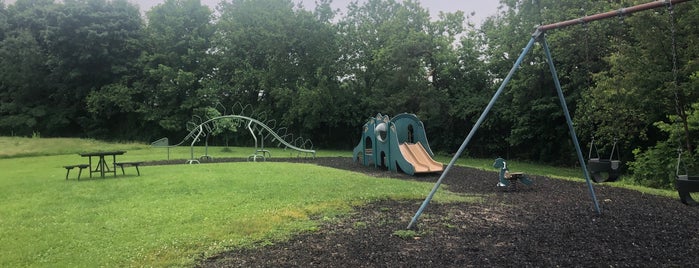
552, 223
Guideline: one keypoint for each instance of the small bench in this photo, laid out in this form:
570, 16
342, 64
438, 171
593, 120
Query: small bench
133, 164
80, 169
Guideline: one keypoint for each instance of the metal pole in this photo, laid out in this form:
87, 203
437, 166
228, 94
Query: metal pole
609, 14
573, 136
473, 131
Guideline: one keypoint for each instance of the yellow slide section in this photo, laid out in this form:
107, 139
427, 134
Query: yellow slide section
417, 156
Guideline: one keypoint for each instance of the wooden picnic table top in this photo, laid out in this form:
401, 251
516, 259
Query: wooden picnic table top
103, 153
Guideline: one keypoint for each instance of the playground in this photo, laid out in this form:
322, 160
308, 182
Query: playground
551, 224
190, 205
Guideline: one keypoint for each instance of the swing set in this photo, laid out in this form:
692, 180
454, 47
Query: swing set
539, 35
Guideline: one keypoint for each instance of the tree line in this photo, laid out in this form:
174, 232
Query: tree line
101, 69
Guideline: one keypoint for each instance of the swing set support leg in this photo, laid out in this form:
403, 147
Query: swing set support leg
573, 136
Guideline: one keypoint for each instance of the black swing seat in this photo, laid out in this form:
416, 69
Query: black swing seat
596, 167
687, 184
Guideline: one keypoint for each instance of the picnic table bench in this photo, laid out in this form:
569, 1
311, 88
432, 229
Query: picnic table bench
133, 164
80, 169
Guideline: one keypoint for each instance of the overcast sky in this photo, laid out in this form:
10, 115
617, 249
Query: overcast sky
482, 8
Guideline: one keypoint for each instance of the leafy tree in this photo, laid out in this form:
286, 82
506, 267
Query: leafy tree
4, 27
93, 44
468, 89
26, 104
384, 45
23, 72
529, 107
657, 165
176, 62
172, 68
645, 96
280, 60
397, 59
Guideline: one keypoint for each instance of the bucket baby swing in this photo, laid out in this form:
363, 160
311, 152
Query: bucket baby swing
685, 183
603, 169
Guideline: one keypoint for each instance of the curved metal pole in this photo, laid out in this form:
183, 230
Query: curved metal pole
191, 148
473, 131
253, 133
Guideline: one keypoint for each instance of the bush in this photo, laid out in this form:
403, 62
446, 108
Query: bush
654, 167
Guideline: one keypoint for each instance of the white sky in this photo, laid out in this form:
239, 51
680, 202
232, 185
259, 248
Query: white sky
482, 8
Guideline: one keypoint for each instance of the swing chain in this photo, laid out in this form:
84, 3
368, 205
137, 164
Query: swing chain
673, 48
679, 107
679, 162
673, 33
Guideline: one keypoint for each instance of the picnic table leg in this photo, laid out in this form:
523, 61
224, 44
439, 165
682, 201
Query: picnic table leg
103, 165
114, 165
90, 163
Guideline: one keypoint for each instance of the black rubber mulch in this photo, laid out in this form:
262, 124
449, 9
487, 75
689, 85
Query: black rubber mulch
552, 223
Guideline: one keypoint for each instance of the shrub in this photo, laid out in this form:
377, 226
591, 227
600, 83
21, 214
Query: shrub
654, 167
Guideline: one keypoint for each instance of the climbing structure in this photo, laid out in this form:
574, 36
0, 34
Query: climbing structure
256, 123
397, 144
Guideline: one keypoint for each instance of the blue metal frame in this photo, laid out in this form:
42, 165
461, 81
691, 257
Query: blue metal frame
527, 48
539, 33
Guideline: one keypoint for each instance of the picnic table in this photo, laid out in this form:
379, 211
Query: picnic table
101, 165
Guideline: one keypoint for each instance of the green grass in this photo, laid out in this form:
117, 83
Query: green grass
178, 214
171, 215
20, 146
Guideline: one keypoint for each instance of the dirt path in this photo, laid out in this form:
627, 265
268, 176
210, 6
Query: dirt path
550, 224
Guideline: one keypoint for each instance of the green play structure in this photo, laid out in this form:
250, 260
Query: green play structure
397, 144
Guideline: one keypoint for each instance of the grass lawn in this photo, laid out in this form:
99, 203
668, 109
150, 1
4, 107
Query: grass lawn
170, 215
177, 214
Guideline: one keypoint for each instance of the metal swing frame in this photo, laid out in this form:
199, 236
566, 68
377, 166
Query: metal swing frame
539, 35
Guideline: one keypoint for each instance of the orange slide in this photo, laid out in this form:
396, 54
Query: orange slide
417, 156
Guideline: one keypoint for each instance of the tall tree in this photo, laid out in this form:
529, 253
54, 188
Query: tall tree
168, 86
529, 108
26, 104
652, 59
280, 60
396, 58
93, 44
23, 75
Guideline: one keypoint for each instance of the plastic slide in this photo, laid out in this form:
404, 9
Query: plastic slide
416, 155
